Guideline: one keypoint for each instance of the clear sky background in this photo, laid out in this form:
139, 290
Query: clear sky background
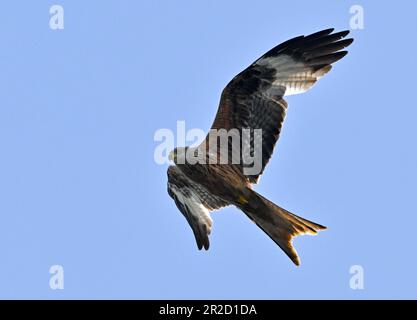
79, 186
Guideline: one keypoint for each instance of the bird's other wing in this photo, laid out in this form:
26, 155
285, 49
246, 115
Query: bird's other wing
195, 203
254, 98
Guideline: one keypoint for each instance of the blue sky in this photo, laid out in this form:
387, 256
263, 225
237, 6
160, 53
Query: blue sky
79, 186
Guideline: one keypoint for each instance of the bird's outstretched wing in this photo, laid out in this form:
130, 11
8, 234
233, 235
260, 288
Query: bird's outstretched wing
195, 203
254, 98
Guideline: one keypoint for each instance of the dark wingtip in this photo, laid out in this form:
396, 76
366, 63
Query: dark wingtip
318, 34
322, 32
341, 34
203, 243
348, 41
340, 55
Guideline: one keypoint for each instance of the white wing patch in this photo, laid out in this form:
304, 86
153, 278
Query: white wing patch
198, 211
295, 76
195, 203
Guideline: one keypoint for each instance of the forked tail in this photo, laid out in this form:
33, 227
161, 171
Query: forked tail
279, 224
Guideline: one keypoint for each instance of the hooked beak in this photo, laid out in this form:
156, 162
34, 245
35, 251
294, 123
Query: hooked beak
171, 156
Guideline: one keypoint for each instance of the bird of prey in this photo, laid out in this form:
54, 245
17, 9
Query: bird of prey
254, 99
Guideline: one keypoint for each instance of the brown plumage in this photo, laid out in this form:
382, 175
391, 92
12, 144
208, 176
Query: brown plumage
254, 99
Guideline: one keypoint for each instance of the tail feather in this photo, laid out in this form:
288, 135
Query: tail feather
279, 224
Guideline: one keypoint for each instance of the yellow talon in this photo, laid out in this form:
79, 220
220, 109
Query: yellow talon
242, 200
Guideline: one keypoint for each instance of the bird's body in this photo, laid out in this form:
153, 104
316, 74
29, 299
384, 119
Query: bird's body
229, 181
201, 181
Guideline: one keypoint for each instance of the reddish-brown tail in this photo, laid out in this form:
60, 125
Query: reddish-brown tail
279, 224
